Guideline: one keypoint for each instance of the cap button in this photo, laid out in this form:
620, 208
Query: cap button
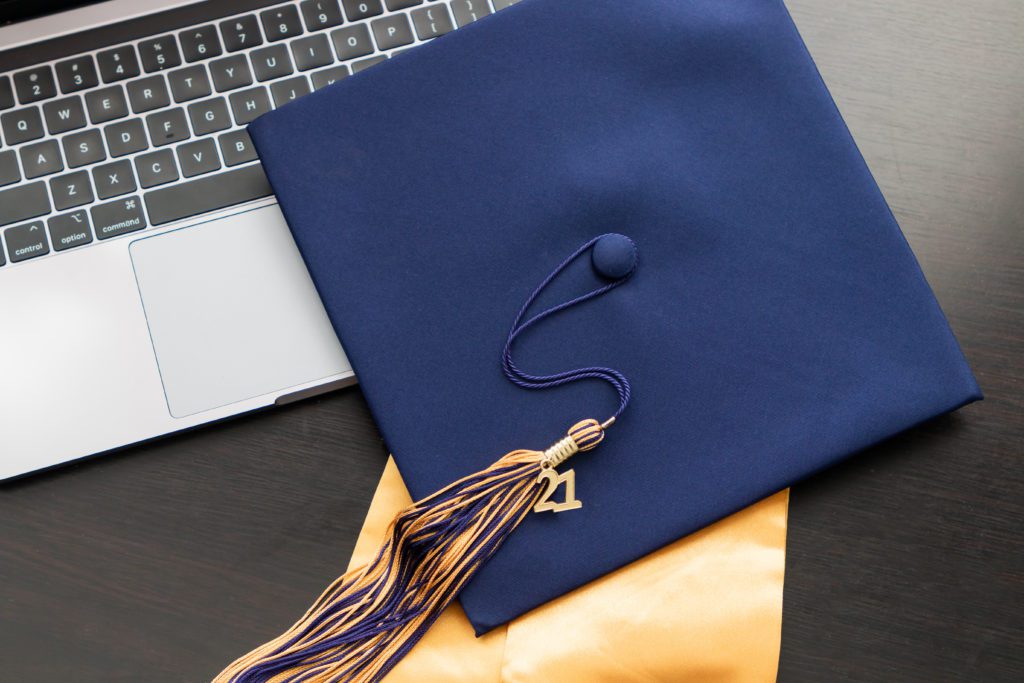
614, 256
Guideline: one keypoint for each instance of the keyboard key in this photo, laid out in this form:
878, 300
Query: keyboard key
312, 52
6, 93
290, 89
9, 172
156, 168
113, 179
106, 104
230, 73
271, 62
392, 32
352, 41
361, 9
281, 22
189, 83
207, 194
64, 115
77, 74
320, 14
324, 77
168, 126
159, 53
236, 148
23, 202
200, 43
209, 116
69, 230
42, 158
197, 158
364, 64
84, 148
248, 104
468, 11
71, 190
402, 4
35, 84
432, 21
126, 137
502, 4
118, 63
117, 218
241, 33
147, 94
26, 241
21, 125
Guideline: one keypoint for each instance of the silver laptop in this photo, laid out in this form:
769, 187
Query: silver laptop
148, 282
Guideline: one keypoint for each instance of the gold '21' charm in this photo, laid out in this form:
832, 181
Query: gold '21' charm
552, 480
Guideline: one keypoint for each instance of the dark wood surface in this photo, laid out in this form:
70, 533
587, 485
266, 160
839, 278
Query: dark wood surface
163, 562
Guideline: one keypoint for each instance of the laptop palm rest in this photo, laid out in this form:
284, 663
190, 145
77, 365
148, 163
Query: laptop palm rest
232, 312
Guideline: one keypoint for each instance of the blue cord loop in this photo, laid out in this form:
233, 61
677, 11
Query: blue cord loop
610, 375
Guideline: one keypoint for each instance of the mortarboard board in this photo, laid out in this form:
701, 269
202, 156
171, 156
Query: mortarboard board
777, 321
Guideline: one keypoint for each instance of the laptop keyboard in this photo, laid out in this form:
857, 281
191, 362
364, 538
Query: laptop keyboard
140, 134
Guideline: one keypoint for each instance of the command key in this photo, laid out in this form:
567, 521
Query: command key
118, 217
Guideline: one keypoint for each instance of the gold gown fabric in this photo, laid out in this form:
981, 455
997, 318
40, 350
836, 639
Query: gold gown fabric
705, 609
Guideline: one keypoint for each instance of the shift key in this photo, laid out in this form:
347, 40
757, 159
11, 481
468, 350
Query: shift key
118, 217
22, 203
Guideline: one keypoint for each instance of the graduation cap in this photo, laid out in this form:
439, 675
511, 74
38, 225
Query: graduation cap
771, 322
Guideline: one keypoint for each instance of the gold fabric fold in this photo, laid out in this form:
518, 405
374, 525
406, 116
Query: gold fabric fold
706, 608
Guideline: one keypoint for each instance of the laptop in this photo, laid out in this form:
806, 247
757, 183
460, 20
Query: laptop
148, 282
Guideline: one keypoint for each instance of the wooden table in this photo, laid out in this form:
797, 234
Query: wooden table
163, 562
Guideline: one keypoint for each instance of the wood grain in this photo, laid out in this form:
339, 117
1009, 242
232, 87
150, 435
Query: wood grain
163, 562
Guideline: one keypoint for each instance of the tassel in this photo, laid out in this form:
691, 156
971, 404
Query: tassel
368, 619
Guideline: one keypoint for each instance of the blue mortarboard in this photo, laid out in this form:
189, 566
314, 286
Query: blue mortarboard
777, 320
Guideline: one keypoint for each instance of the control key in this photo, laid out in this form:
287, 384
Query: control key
26, 241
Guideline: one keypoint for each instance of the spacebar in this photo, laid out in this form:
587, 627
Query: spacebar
207, 194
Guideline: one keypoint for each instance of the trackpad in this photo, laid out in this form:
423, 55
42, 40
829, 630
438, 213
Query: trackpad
232, 312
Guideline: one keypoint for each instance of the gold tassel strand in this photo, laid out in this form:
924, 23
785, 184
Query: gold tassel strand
364, 623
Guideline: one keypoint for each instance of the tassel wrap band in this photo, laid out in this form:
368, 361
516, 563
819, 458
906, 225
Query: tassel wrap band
583, 436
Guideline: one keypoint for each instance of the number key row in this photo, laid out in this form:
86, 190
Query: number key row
210, 41
123, 62
192, 82
155, 92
